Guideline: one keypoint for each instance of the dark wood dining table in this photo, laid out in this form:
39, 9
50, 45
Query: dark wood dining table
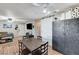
32, 43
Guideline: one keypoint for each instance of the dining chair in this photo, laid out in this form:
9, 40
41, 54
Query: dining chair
23, 50
20, 46
26, 36
42, 50
39, 37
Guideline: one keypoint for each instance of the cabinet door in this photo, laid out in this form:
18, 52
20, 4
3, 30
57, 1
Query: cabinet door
58, 35
71, 36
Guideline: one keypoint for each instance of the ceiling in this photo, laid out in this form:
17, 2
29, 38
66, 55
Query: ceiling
29, 11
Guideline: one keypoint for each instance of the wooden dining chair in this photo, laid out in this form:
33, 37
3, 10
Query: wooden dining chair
20, 46
23, 50
42, 50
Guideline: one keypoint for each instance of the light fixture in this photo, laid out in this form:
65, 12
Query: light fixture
44, 11
9, 19
48, 12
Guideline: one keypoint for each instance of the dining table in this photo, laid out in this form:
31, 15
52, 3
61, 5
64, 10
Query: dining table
32, 43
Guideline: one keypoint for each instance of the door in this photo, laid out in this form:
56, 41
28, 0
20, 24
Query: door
58, 35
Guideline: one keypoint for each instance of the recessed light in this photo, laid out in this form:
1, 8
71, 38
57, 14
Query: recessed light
44, 11
48, 12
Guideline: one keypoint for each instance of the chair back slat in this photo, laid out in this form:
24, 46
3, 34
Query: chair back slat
22, 49
20, 46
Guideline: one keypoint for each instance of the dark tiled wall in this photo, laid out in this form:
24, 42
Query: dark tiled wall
66, 36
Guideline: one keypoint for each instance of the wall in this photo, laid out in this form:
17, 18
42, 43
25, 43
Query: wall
37, 27
19, 32
30, 31
46, 29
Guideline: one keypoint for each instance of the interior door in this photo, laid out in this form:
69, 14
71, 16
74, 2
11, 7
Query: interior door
58, 35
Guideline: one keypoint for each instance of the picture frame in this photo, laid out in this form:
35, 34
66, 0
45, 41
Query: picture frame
7, 25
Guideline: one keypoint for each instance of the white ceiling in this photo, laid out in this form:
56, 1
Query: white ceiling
28, 11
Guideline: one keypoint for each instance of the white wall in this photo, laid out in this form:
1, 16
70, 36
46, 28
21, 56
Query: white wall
46, 29
21, 29
19, 32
